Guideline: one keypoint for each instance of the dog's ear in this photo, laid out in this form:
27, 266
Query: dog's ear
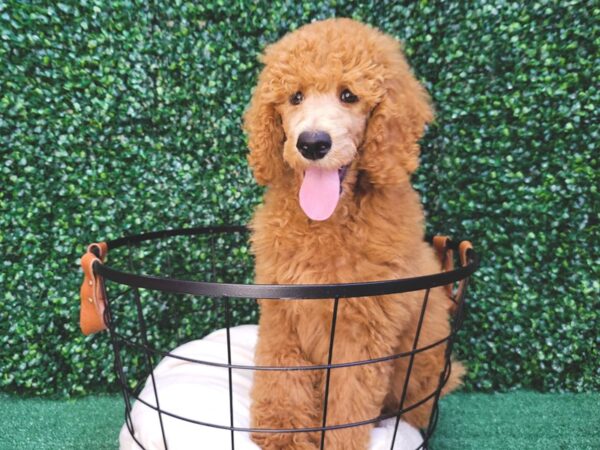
262, 123
391, 149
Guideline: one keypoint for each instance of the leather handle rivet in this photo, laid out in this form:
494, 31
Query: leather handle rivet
90, 299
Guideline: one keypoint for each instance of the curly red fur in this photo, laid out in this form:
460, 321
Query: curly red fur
375, 233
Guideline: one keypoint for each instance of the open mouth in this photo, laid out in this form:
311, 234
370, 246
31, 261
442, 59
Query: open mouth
342, 171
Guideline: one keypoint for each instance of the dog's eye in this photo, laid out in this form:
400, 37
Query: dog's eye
297, 98
348, 97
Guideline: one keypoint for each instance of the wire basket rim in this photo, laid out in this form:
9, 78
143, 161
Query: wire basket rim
279, 292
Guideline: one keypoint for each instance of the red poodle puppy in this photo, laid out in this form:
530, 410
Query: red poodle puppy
333, 127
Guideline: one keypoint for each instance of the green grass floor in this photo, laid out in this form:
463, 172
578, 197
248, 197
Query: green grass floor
517, 420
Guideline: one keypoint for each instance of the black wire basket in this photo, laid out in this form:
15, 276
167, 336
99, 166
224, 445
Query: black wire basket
138, 310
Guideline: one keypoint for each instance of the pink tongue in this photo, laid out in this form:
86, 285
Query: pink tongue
319, 193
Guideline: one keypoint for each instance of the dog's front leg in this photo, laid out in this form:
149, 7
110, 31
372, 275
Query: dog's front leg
356, 393
283, 399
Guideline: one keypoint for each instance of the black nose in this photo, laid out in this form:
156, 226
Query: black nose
314, 144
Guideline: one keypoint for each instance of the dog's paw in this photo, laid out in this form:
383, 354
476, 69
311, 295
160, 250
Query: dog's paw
283, 441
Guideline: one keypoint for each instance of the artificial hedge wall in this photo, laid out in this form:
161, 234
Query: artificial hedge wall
119, 117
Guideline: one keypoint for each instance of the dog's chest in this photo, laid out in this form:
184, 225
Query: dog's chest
316, 259
323, 255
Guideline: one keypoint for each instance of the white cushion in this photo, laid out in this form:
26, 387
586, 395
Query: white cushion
201, 393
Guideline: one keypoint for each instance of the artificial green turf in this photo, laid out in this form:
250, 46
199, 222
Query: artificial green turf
518, 420
88, 423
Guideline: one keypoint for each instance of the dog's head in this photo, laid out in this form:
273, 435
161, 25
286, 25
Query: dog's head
335, 99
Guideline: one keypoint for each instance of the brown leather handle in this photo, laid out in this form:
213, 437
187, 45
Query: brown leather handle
446, 257
463, 250
463, 253
92, 292
98, 248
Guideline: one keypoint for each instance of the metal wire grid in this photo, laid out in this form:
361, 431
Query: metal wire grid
225, 292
